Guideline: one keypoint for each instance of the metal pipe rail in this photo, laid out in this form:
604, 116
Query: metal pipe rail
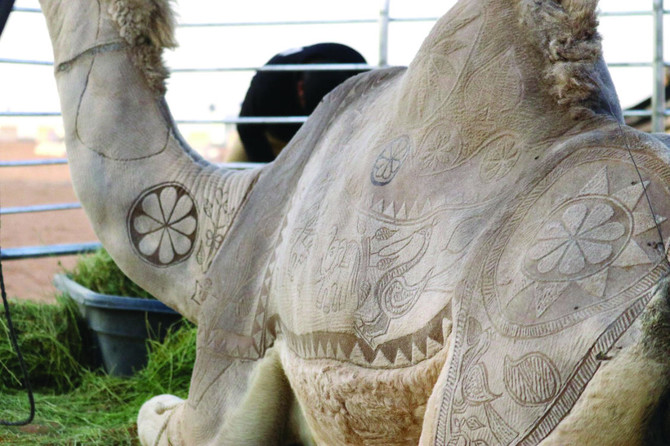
59, 161
286, 67
299, 67
69, 206
658, 100
39, 208
253, 120
238, 120
31, 163
302, 67
35, 252
343, 21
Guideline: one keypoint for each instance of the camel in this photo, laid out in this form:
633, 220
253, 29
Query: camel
467, 251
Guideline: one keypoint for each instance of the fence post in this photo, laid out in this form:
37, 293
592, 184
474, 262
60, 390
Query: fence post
658, 95
384, 33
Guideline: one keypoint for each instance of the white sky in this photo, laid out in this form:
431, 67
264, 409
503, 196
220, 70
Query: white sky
217, 95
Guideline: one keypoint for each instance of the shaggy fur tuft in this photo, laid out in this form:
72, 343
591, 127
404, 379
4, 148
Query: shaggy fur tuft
656, 343
656, 323
566, 33
658, 428
148, 27
350, 405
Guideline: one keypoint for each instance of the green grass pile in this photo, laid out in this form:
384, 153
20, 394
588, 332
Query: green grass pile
99, 273
74, 404
100, 409
50, 342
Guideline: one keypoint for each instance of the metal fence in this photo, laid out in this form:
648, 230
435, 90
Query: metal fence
657, 113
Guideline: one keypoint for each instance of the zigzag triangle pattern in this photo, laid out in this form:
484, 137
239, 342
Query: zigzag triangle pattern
402, 352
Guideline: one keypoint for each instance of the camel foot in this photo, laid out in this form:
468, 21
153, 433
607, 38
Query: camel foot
152, 421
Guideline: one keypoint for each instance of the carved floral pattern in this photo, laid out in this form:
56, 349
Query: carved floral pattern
501, 155
441, 149
218, 215
582, 235
393, 295
589, 262
163, 224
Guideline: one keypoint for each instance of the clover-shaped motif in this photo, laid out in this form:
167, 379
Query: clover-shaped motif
163, 224
390, 160
583, 235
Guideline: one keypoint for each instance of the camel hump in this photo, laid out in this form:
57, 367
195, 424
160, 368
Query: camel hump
541, 60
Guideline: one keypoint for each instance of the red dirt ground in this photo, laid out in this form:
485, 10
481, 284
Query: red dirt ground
22, 186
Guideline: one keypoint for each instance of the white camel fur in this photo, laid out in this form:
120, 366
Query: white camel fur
461, 252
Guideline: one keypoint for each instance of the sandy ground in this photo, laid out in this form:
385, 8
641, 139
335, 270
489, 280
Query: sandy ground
23, 186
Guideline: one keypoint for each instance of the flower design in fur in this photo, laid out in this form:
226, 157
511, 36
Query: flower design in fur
582, 236
163, 225
596, 225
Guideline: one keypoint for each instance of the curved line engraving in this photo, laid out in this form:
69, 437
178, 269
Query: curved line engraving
162, 147
533, 380
545, 386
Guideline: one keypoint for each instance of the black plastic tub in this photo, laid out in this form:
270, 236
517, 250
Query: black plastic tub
119, 326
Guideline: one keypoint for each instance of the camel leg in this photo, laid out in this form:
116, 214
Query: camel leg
625, 404
615, 407
268, 414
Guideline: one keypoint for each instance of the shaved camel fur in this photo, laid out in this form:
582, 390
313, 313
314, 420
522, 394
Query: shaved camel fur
457, 253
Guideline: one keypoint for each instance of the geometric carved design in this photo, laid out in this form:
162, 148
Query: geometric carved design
162, 225
580, 243
443, 66
594, 220
475, 397
397, 353
202, 290
218, 215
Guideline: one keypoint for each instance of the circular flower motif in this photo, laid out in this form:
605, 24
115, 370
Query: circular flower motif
501, 155
163, 224
580, 240
441, 149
